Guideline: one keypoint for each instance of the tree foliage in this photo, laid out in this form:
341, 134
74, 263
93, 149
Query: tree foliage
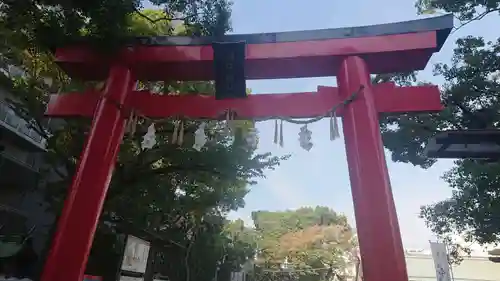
216, 251
466, 10
317, 242
106, 23
178, 194
471, 97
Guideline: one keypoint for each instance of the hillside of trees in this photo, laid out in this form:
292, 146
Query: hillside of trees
304, 244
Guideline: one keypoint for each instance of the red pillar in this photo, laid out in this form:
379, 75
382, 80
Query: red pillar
71, 245
379, 237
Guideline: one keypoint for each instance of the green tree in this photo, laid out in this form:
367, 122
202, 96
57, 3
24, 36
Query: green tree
217, 251
178, 194
51, 23
315, 241
243, 246
471, 98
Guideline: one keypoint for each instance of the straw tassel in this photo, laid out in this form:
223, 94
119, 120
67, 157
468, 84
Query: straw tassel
334, 127
180, 138
276, 131
228, 118
232, 123
128, 126
131, 123
175, 133
281, 134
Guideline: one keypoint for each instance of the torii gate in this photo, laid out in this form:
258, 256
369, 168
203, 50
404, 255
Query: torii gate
351, 54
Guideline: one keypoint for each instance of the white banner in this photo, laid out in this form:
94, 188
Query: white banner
136, 255
440, 257
238, 276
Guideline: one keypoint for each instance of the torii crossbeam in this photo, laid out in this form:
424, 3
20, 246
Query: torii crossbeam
351, 54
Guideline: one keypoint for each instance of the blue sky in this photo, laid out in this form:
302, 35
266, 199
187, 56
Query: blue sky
320, 176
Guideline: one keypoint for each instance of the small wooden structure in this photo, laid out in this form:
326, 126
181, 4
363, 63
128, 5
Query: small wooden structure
473, 144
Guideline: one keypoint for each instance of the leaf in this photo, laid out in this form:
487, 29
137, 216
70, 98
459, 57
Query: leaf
428, 12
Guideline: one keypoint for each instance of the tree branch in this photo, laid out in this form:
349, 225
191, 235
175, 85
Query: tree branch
170, 169
155, 21
478, 17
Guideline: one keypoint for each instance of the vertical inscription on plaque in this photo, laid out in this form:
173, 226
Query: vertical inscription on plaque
229, 66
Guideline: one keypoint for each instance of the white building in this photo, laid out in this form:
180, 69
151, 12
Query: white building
475, 268
420, 267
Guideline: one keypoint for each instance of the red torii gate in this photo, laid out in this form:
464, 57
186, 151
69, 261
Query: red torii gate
351, 54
